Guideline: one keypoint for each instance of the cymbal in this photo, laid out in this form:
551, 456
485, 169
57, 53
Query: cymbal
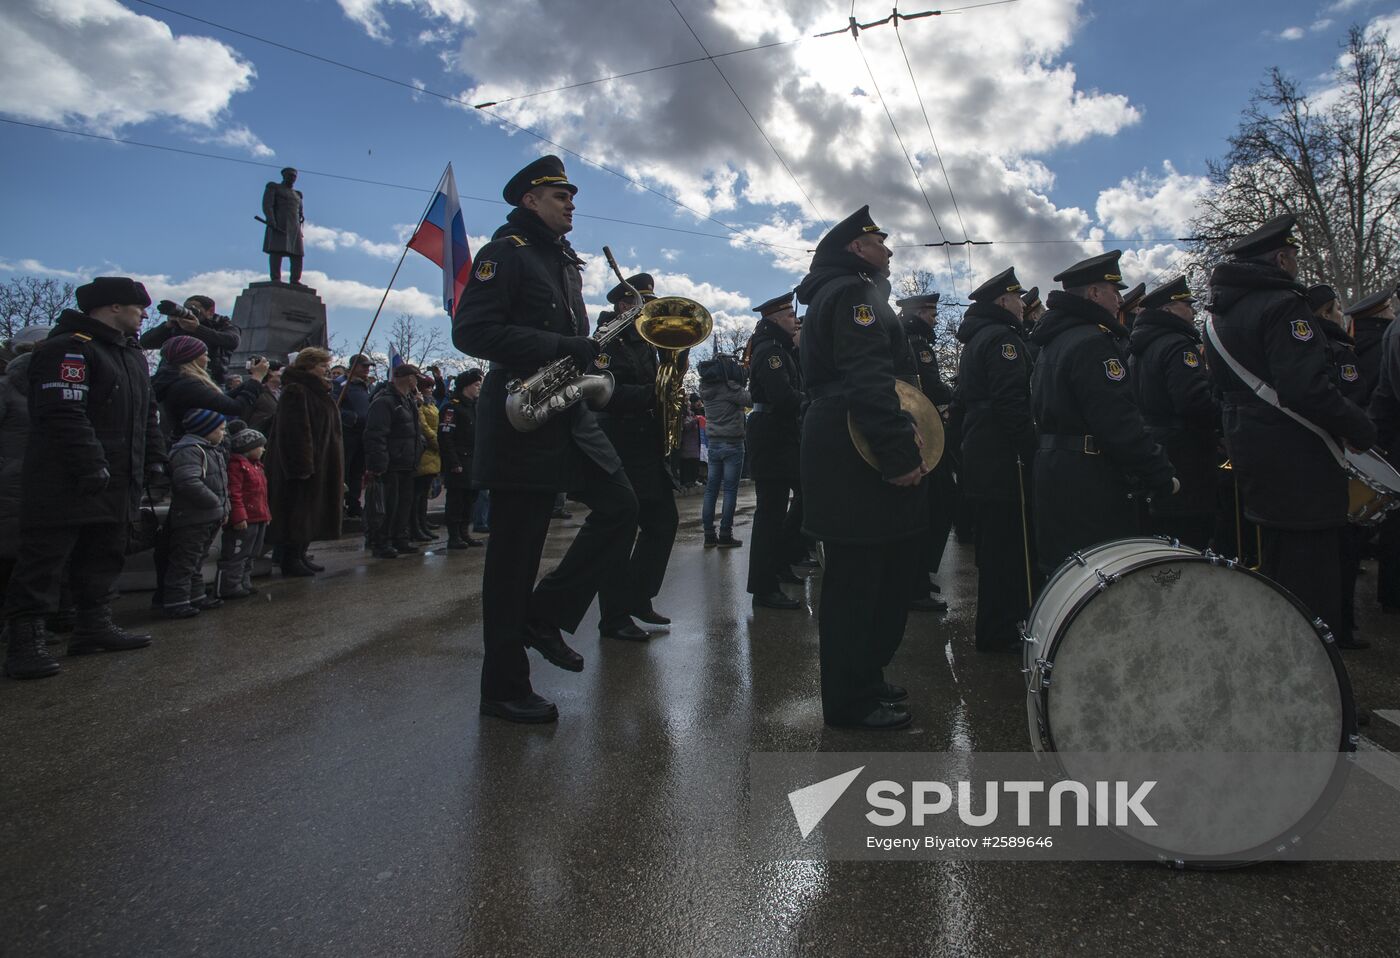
926, 420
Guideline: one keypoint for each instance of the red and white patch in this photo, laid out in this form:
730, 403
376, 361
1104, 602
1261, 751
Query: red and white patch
72, 370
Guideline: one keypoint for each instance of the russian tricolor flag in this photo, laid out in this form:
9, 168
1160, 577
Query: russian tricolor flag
442, 237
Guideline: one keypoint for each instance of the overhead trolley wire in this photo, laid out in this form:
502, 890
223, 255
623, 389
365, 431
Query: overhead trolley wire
753, 118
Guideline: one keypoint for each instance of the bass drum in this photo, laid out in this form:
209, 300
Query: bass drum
1141, 647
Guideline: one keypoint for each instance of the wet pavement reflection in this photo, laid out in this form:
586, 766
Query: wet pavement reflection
305, 773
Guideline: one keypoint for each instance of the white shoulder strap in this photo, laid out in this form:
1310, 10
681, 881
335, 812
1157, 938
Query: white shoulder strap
1267, 393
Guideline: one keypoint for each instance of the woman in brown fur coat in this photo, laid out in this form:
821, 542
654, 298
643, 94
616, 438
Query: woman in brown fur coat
304, 462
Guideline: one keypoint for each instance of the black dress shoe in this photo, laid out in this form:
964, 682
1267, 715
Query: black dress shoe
313, 566
628, 632
882, 718
776, 600
651, 617
785, 576
533, 710
549, 643
929, 603
406, 548
889, 692
386, 552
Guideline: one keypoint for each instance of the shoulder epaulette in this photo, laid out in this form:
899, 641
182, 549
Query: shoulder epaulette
82, 337
518, 240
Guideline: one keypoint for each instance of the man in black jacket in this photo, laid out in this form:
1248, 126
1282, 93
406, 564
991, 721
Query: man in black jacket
919, 315
203, 323
633, 425
870, 519
456, 438
93, 440
522, 309
774, 433
393, 444
1095, 454
1292, 485
998, 447
1173, 390
352, 396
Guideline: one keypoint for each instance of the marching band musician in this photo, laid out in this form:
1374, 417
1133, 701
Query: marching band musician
775, 383
1292, 485
869, 520
522, 309
1131, 306
919, 314
998, 447
1094, 452
631, 422
1173, 390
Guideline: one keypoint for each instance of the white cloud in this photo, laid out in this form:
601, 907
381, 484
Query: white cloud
1147, 205
37, 268
98, 63
240, 137
1292, 33
1342, 6
369, 14
330, 238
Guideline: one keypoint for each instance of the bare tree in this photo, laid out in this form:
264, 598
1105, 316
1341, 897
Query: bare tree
418, 343
1331, 159
31, 300
946, 348
730, 339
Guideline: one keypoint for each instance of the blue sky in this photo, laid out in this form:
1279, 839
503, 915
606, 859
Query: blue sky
1054, 118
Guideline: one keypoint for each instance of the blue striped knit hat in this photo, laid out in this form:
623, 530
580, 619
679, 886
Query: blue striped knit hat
202, 422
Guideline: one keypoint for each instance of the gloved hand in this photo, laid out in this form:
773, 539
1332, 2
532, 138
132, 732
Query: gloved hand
581, 349
154, 471
94, 484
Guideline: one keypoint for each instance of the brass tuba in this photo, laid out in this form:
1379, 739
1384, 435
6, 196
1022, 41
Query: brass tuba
674, 325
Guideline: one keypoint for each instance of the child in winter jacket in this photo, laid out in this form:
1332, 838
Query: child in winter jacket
248, 512
198, 507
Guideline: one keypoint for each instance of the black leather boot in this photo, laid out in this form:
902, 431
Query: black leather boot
27, 656
96, 632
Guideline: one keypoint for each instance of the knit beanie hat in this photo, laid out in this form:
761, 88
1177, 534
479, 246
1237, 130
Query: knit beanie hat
179, 350
244, 439
202, 422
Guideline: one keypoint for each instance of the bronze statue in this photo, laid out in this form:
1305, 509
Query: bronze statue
283, 211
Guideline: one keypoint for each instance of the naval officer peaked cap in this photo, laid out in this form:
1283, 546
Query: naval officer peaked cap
546, 171
1096, 269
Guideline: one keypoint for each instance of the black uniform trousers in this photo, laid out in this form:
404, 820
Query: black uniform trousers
1003, 601
796, 546
94, 554
1308, 563
631, 588
1388, 562
509, 596
394, 526
1351, 541
457, 510
770, 545
942, 491
864, 608
354, 468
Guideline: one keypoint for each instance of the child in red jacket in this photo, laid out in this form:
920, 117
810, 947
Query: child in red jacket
248, 512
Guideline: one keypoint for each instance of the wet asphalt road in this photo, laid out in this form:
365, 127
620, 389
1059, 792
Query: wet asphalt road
305, 773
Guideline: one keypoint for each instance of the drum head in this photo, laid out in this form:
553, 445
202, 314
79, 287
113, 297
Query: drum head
1179, 655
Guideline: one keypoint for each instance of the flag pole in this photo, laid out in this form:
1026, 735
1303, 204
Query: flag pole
364, 344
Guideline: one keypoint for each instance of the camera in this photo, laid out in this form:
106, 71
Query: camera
253, 362
168, 308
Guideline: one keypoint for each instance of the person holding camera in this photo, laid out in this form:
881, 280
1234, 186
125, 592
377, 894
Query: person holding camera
93, 438
196, 318
182, 382
724, 391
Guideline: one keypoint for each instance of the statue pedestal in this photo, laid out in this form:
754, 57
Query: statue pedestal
276, 319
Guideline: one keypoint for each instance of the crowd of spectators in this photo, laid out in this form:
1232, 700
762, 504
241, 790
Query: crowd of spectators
263, 458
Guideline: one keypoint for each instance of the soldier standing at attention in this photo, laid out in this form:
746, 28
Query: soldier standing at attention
870, 520
919, 315
775, 383
1173, 390
522, 309
1095, 454
998, 447
1292, 485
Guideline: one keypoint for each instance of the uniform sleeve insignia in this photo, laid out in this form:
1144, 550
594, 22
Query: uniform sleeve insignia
1008, 350
73, 368
485, 270
602, 361
865, 315
926, 357
1302, 330
1350, 374
1191, 358
1114, 370
775, 362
